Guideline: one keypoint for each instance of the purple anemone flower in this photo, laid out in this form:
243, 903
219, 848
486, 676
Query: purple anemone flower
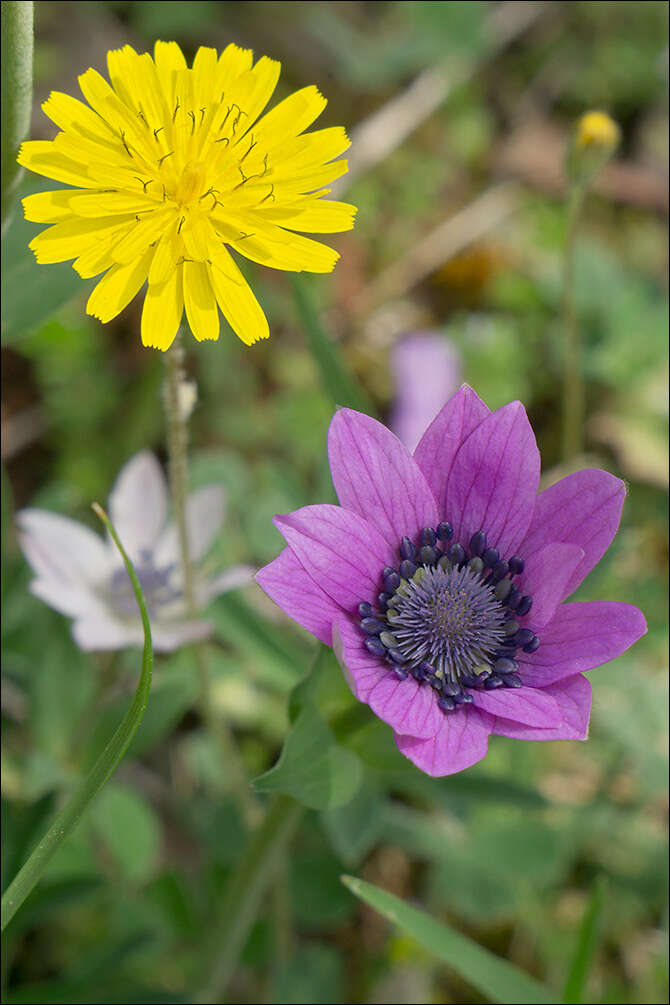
440, 581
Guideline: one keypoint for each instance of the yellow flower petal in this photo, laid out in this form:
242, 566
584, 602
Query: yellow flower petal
142, 233
319, 217
70, 114
293, 254
94, 204
236, 300
48, 207
117, 288
71, 238
162, 312
200, 302
168, 58
96, 258
41, 157
166, 255
253, 90
291, 116
314, 148
233, 62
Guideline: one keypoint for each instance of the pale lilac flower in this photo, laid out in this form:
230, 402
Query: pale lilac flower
81, 574
426, 369
441, 578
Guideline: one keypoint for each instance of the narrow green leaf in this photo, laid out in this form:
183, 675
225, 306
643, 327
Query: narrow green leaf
104, 767
341, 385
587, 942
312, 767
499, 980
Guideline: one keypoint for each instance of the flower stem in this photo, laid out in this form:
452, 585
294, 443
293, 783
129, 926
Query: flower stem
177, 442
573, 377
245, 891
17, 94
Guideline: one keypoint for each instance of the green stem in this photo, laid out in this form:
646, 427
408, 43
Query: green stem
72, 812
17, 94
177, 441
246, 888
573, 377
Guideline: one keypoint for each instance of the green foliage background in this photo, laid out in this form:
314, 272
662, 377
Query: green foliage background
510, 852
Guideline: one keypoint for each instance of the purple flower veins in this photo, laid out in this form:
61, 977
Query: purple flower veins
440, 581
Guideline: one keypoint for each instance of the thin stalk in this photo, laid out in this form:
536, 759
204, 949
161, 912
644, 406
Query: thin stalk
246, 888
68, 818
573, 376
177, 442
17, 93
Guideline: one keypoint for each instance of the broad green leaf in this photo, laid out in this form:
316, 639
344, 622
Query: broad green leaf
354, 829
312, 767
102, 770
494, 977
313, 977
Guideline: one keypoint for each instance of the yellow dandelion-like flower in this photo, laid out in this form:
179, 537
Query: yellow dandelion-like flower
597, 129
172, 167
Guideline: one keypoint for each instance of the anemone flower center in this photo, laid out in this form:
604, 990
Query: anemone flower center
449, 616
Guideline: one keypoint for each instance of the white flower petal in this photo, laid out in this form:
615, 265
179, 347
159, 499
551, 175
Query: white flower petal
204, 516
231, 579
98, 633
60, 550
138, 503
69, 600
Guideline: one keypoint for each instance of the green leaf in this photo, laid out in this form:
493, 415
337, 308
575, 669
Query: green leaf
129, 829
312, 767
354, 829
102, 770
31, 293
499, 980
340, 385
17, 93
587, 942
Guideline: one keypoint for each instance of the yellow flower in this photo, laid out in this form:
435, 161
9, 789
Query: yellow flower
597, 129
173, 166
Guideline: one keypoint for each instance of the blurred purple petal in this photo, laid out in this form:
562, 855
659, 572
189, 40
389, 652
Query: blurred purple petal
426, 369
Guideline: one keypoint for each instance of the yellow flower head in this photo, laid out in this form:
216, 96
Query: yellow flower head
597, 129
171, 165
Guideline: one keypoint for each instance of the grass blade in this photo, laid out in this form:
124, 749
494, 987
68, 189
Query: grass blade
68, 818
499, 980
342, 387
587, 941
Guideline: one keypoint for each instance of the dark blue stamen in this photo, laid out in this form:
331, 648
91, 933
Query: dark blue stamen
456, 553
427, 555
512, 680
372, 627
408, 548
382, 601
375, 647
407, 569
516, 565
445, 531
400, 672
428, 536
490, 557
477, 543
525, 605
514, 598
493, 682
365, 609
391, 582
532, 646
498, 572
446, 703
504, 665
523, 637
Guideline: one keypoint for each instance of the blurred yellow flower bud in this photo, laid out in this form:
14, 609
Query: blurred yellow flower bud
597, 130
595, 139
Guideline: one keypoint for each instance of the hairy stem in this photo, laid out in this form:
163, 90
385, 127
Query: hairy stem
177, 442
17, 94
